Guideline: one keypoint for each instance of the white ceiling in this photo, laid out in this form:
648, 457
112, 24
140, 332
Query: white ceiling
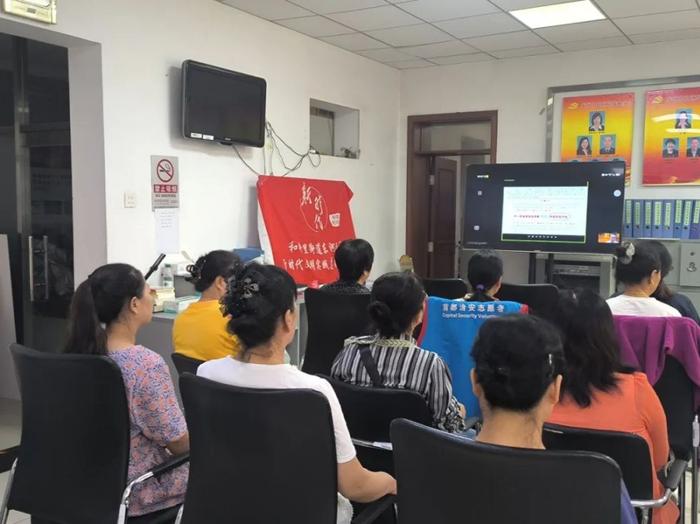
408, 34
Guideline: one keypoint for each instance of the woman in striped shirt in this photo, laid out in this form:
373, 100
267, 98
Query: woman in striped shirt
391, 358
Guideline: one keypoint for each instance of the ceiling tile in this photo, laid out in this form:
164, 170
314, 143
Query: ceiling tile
481, 25
525, 51
315, 26
433, 10
354, 42
454, 47
624, 8
506, 41
665, 36
270, 9
637, 25
410, 64
323, 7
583, 31
462, 59
594, 43
509, 5
375, 18
386, 55
410, 35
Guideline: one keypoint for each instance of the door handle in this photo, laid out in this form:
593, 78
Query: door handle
30, 253
46, 267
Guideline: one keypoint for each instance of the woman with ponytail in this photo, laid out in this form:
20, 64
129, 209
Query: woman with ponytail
485, 275
391, 358
107, 311
200, 332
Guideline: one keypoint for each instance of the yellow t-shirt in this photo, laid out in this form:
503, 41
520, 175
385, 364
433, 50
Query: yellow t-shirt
200, 332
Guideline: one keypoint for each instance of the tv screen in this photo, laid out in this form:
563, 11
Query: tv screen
222, 105
568, 206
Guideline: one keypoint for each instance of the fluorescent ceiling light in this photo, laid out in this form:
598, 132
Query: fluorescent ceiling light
558, 14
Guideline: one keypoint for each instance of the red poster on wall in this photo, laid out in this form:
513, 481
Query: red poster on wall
304, 221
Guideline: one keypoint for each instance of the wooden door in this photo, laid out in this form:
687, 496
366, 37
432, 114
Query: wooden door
442, 243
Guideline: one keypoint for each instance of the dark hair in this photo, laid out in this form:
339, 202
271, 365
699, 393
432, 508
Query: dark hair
670, 141
635, 261
663, 292
99, 300
484, 270
258, 297
516, 358
590, 344
595, 115
395, 301
214, 264
353, 257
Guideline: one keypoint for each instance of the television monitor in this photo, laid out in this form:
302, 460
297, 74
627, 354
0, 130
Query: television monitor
572, 206
222, 106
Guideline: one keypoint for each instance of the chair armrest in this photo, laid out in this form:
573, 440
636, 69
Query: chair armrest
671, 475
374, 510
386, 446
171, 464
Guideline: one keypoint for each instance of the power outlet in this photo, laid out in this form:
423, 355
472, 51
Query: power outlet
129, 199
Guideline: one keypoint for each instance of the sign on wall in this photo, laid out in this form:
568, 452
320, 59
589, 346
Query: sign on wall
672, 137
42, 11
598, 128
165, 189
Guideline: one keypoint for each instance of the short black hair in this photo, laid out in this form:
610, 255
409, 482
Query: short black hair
663, 292
214, 264
484, 270
598, 115
353, 257
636, 261
670, 141
516, 358
395, 301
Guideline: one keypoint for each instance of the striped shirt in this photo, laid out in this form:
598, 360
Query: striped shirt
403, 365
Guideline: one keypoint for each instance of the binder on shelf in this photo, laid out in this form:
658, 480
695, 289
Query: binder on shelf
627, 224
657, 220
695, 221
637, 214
667, 219
677, 218
687, 217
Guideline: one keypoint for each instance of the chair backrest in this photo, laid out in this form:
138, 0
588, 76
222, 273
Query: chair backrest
332, 318
74, 451
450, 288
541, 299
185, 364
452, 480
628, 450
676, 393
258, 455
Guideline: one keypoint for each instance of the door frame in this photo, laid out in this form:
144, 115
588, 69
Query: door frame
418, 176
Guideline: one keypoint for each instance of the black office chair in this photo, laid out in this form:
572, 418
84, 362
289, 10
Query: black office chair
332, 318
541, 299
74, 450
450, 288
185, 364
260, 456
630, 452
452, 480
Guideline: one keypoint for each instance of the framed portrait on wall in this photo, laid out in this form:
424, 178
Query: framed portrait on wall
39, 10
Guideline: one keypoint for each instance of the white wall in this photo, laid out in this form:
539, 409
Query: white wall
517, 88
142, 47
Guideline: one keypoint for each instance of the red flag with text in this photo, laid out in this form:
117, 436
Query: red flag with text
304, 221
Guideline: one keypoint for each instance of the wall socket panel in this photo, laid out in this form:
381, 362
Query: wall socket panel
129, 199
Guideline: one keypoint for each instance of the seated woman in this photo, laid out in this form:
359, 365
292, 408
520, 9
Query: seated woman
260, 303
599, 393
639, 269
354, 259
485, 275
517, 378
396, 308
200, 332
663, 293
117, 297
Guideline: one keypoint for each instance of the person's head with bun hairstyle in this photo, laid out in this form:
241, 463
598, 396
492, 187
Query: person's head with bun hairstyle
517, 375
354, 259
261, 304
396, 304
638, 267
485, 275
211, 272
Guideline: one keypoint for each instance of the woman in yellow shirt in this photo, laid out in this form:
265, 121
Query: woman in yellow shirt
200, 332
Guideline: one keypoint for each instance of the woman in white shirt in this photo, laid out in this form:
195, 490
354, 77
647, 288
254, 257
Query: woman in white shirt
260, 303
639, 270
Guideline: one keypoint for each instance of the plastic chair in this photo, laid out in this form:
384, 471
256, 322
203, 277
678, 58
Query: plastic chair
260, 456
331, 318
450, 288
449, 479
185, 364
74, 450
541, 299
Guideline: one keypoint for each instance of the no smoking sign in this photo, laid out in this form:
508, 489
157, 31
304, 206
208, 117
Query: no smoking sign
165, 189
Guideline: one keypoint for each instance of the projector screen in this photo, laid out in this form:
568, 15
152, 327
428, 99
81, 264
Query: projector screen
545, 207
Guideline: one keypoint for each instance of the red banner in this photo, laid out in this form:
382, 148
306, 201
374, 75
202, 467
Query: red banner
305, 220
